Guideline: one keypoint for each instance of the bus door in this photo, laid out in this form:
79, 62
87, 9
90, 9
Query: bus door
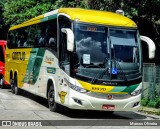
64, 61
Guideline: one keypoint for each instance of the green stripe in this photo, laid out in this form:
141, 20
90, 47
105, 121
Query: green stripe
131, 88
34, 65
127, 89
118, 89
49, 18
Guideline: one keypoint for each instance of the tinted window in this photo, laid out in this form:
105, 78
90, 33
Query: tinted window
1, 54
38, 35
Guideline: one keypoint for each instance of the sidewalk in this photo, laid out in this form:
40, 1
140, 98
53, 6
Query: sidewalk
149, 110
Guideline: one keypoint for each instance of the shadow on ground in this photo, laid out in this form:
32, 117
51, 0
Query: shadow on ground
84, 114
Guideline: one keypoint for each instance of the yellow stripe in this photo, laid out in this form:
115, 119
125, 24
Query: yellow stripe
11, 65
96, 88
98, 17
29, 22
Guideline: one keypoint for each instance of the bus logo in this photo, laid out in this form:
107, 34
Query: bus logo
62, 96
18, 55
110, 97
49, 60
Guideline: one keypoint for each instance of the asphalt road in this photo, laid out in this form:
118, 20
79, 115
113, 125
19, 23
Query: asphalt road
30, 107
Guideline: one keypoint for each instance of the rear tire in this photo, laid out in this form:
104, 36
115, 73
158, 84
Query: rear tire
53, 106
16, 89
2, 82
12, 86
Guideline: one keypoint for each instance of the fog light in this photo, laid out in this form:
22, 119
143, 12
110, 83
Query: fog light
78, 101
136, 104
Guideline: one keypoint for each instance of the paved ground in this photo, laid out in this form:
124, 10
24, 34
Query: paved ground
30, 107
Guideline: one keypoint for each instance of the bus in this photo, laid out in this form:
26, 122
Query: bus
2, 62
77, 58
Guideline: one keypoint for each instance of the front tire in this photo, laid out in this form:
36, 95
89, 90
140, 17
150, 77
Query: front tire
53, 106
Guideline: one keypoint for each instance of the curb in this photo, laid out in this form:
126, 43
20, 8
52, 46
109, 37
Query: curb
150, 110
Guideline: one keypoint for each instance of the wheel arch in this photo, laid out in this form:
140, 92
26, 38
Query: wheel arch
11, 74
16, 75
51, 82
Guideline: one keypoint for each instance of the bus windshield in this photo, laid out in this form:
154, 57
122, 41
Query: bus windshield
124, 44
100, 49
91, 45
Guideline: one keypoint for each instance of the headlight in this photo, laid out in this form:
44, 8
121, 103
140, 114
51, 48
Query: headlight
76, 88
136, 92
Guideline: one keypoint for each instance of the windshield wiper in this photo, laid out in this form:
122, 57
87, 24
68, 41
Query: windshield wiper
121, 70
100, 75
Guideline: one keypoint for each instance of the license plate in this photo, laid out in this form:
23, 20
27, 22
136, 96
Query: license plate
108, 107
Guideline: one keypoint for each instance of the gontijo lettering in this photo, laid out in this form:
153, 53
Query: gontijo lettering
18, 55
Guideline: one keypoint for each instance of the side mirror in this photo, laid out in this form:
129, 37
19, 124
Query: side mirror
151, 46
70, 38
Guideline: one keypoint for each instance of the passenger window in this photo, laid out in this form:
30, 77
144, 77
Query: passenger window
51, 34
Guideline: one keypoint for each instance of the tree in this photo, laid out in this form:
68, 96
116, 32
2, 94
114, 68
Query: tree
144, 12
2, 21
17, 11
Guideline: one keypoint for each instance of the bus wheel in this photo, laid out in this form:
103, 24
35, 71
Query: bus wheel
53, 106
16, 89
2, 82
12, 86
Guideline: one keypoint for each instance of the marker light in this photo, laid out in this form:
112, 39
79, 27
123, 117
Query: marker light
76, 19
76, 88
136, 92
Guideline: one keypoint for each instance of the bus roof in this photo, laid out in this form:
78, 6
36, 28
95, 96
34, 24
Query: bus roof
98, 17
83, 15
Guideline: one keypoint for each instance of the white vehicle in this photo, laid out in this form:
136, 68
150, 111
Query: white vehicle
81, 59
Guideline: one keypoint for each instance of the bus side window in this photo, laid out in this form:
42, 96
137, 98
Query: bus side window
51, 34
10, 39
64, 22
30, 36
37, 35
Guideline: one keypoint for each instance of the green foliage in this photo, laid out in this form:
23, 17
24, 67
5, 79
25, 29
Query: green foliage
1, 10
144, 102
17, 11
151, 103
157, 102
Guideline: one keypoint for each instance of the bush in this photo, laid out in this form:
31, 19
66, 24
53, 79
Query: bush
152, 103
157, 102
144, 102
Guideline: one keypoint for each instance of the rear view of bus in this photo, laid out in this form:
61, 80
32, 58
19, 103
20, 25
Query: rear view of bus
2, 62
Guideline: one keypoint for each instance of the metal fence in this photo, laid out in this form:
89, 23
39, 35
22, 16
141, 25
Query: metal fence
151, 81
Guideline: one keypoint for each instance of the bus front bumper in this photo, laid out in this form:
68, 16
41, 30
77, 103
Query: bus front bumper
82, 101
